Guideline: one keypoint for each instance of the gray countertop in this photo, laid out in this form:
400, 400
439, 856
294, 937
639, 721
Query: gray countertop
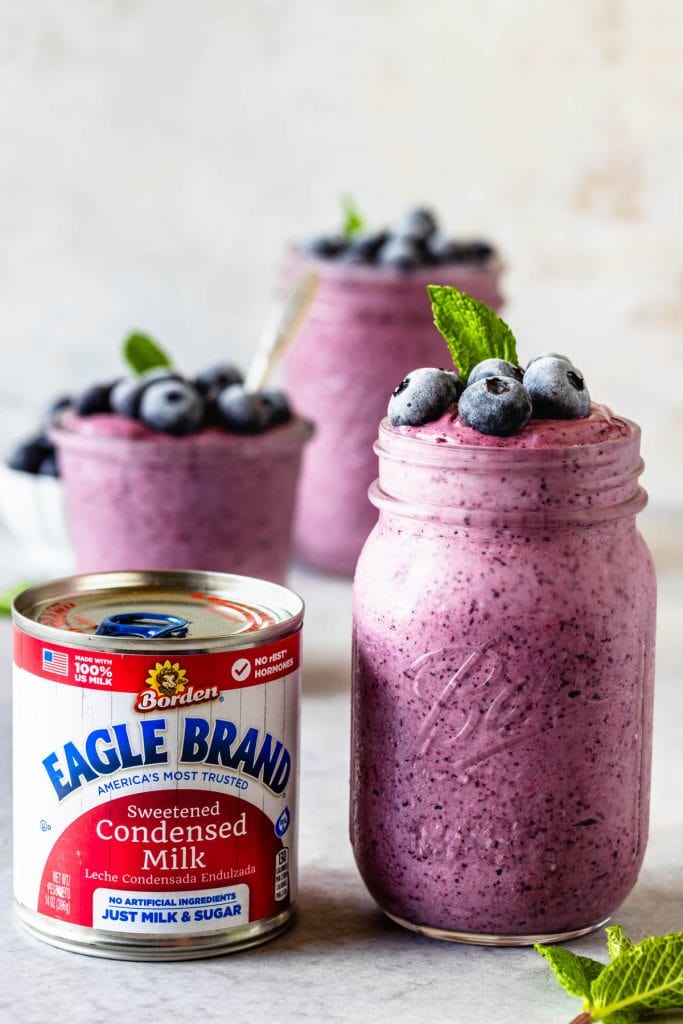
342, 960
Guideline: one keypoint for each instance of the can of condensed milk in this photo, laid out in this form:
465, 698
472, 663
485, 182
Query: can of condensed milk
156, 721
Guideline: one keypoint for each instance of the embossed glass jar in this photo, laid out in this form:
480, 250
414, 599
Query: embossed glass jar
504, 611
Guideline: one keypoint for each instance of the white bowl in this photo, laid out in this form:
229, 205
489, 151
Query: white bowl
32, 509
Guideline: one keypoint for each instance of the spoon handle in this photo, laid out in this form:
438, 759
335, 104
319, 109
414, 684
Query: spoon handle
279, 329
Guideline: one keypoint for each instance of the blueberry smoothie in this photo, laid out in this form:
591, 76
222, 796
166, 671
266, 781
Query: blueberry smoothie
162, 473
504, 612
369, 324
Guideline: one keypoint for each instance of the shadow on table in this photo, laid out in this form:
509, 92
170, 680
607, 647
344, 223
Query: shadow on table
332, 913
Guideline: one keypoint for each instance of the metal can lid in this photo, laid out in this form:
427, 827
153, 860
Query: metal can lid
159, 610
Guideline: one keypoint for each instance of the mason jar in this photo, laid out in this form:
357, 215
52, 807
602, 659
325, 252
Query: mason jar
504, 618
365, 329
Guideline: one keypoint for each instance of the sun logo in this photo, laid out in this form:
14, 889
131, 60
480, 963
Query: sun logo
167, 679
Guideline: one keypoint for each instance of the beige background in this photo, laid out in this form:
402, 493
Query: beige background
156, 155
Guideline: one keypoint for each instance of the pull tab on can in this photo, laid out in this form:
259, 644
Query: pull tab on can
147, 625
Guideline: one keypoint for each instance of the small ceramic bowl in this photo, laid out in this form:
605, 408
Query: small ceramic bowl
32, 509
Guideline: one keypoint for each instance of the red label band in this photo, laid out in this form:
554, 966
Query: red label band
182, 679
162, 843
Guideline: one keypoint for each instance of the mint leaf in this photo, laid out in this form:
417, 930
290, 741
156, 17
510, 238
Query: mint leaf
353, 221
642, 978
624, 1017
472, 331
142, 353
7, 597
574, 973
616, 941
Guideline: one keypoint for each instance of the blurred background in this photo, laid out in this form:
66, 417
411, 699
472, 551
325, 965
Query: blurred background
157, 156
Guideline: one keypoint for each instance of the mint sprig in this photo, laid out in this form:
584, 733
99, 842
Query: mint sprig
641, 978
473, 332
142, 353
7, 597
353, 221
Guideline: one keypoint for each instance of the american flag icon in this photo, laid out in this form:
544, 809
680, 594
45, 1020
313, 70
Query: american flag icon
56, 662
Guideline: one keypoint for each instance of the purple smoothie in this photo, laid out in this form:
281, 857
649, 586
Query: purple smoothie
367, 326
503, 666
138, 499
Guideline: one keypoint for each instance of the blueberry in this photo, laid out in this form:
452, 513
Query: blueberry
422, 396
28, 456
418, 224
278, 405
495, 368
495, 405
216, 378
48, 465
399, 254
126, 395
56, 406
557, 389
325, 246
364, 248
93, 399
172, 407
476, 251
458, 382
548, 355
444, 250
241, 411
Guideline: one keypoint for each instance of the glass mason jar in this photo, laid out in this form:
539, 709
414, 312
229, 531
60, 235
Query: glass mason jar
504, 616
366, 328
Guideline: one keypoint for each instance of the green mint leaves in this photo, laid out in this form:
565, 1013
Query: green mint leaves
574, 973
616, 941
641, 978
353, 221
7, 597
142, 353
473, 332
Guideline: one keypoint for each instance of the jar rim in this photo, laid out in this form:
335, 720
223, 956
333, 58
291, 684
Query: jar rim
440, 455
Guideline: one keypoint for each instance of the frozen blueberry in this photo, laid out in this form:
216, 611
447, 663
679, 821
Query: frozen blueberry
399, 254
278, 405
172, 407
495, 368
476, 251
557, 389
458, 382
549, 355
58, 405
364, 248
28, 456
418, 224
444, 250
126, 395
93, 400
242, 411
495, 405
210, 382
48, 465
422, 396
325, 246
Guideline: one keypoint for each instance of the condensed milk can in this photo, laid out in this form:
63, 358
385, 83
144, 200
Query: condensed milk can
156, 719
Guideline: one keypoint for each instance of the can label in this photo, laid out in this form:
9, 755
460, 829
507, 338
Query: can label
155, 795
